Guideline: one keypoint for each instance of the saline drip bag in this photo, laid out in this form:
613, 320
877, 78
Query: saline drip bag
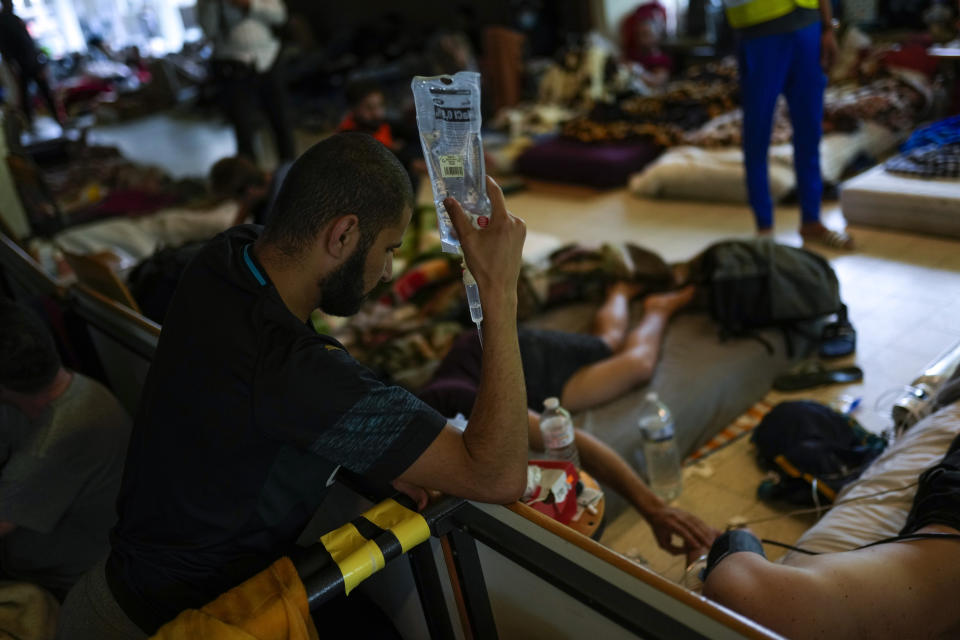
448, 118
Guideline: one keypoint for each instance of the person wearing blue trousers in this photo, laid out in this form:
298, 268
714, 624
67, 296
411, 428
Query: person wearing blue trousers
785, 46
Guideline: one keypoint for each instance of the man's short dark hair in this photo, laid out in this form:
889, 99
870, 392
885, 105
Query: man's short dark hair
346, 173
29, 361
357, 90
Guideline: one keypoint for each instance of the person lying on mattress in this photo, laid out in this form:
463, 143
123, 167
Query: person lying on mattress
902, 588
585, 371
238, 191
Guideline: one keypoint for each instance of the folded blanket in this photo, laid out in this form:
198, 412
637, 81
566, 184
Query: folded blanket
272, 605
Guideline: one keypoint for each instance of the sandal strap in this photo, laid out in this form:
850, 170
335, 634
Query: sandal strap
833, 239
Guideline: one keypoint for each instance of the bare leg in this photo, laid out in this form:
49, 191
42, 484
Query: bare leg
613, 318
634, 363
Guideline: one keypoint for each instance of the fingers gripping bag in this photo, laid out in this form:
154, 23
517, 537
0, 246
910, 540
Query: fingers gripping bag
448, 118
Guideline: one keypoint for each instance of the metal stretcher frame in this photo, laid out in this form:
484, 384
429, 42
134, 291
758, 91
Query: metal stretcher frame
633, 597
21, 273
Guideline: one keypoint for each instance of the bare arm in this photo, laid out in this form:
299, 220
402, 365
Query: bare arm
828, 41
489, 460
610, 469
826, 13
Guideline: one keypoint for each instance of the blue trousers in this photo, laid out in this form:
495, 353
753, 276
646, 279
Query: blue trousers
787, 63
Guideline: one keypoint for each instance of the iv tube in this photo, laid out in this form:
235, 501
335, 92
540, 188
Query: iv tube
473, 300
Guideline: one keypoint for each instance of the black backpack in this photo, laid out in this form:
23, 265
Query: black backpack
812, 452
757, 284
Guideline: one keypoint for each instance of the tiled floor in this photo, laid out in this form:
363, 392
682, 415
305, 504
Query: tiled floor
903, 292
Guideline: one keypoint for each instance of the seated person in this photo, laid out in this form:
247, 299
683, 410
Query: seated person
902, 589
367, 113
584, 371
63, 440
640, 35
248, 415
238, 191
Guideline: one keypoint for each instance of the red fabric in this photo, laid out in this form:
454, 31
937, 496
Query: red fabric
384, 134
628, 36
912, 55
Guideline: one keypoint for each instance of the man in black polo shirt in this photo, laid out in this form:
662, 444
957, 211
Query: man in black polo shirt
247, 414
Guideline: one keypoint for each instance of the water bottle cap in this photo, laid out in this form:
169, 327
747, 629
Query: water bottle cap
551, 403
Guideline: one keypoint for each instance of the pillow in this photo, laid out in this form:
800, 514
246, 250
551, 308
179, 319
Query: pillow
717, 175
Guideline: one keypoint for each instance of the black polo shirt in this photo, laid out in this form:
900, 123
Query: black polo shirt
245, 417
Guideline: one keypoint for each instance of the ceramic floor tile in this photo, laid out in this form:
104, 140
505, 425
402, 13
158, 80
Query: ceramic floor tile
946, 319
734, 468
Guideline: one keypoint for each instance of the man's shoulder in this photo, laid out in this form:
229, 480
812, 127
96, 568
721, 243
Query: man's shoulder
309, 351
89, 392
222, 261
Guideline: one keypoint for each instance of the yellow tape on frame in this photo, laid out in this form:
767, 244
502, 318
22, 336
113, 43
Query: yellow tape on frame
357, 557
410, 527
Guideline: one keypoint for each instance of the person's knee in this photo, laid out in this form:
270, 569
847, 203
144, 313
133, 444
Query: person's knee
643, 363
613, 339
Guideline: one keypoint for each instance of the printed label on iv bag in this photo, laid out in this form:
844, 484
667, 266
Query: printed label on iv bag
451, 166
449, 120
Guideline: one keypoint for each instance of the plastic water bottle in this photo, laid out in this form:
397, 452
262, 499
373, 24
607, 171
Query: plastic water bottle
660, 448
557, 429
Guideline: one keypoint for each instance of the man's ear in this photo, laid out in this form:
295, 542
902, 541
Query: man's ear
343, 235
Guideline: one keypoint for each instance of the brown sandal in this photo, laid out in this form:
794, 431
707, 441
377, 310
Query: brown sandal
830, 239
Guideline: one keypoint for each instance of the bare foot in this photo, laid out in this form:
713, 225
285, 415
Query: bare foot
669, 302
629, 290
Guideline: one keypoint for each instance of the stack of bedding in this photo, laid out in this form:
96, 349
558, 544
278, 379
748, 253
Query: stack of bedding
860, 121
918, 190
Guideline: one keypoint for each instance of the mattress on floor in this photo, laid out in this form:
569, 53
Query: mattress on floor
706, 382
694, 173
882, 199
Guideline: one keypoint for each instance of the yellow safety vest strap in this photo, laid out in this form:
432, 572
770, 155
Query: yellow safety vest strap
747, 13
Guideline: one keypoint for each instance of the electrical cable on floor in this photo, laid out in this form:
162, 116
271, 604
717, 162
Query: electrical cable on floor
818, 509
903, 538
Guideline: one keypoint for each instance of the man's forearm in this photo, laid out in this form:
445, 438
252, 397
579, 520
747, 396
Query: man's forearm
606, 466
610, 469
497, 432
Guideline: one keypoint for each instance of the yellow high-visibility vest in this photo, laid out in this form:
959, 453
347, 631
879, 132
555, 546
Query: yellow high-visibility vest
747, 13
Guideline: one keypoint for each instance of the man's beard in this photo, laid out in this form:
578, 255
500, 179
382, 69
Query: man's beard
342, 291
